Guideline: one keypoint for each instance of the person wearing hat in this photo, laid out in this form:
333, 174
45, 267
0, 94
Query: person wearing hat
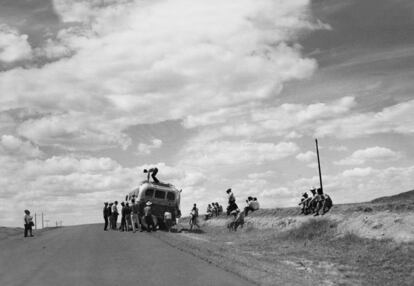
249, 206
28, 223
238, 219
232, 202
148, 217
106, 215
304, 202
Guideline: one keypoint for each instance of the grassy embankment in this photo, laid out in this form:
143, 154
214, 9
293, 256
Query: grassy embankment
298, 250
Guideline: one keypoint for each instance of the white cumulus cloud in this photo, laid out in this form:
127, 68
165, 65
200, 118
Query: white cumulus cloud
13, 45
376, 153
148, 148
306, 157
11, 145
133, 62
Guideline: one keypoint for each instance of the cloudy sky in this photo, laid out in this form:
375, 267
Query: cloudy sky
215, 93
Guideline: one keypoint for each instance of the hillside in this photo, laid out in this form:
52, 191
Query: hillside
402, 197
368, 243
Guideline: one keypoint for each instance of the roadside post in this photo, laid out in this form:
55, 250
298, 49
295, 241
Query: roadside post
319, 164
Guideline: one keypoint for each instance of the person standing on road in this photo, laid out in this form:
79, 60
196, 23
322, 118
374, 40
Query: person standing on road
114, 215
148, 217
123, 222
128, 221
134, 215
106, 215
28, 223
111, 218
168, 220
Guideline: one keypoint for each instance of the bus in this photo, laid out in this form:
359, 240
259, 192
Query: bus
163, 196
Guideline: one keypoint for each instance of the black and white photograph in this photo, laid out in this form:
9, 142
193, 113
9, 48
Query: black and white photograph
206, 142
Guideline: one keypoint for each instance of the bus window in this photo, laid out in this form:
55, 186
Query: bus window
159, 194
149, 193
170, 196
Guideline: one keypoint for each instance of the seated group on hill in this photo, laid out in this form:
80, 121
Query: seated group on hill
213, 209
318, 202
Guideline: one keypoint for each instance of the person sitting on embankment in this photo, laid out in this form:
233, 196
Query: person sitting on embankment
237, 221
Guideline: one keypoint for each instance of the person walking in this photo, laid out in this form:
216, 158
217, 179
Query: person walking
194, 217
134, 215
106, 215
28, 223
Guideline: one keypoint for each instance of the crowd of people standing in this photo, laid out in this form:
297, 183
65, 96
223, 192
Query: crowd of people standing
131, 217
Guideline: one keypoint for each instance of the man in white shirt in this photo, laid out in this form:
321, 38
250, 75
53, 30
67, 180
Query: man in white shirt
255, 204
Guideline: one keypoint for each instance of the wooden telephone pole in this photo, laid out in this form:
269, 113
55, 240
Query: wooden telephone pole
319, 164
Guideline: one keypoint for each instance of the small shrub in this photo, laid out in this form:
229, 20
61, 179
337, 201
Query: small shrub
351, 238
314, 228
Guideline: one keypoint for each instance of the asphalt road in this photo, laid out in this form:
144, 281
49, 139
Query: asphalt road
86, 255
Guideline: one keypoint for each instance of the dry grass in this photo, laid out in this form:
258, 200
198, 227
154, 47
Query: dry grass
312, 252
311, 229
7, 232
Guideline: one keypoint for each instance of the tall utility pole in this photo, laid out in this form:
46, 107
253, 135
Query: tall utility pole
35, 221
319, 164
